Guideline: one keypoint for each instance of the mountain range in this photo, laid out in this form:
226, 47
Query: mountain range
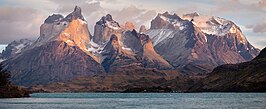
174, 52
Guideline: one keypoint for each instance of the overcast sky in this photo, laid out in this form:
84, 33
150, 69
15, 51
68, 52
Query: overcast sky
22, 18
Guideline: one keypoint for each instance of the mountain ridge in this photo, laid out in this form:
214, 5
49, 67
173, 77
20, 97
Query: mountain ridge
66, 51
198, 47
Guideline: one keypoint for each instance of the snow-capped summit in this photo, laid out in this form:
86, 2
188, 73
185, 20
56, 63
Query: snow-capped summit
213, 25
167, 21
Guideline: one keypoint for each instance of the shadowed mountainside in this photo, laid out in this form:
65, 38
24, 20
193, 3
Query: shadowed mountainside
243, 77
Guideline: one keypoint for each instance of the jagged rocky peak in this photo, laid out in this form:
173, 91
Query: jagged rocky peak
167, 21
108, 21
109, 17
104, 28
76, 14
55, 24
142, 29
170, 16
54, 18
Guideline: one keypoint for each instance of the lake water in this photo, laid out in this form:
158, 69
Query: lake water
137, 101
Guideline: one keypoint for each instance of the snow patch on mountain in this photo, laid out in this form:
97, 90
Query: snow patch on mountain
95, 49
174, 22
112, 25
2, 47
212, 25
94, 44
125, 48
158, 35
19, 47
15, 47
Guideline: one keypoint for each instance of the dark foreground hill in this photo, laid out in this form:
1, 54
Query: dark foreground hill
244, 77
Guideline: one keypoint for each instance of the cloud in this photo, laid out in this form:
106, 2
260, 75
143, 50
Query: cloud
261, 44
133, 14
262, 3
32, 13
260, 28
249, 26
17, 23
93, 10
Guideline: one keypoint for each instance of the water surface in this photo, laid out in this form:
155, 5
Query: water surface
137, 101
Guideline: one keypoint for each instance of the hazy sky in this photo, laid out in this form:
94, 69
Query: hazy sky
22, 18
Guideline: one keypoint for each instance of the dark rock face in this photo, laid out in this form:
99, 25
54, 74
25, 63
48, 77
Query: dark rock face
15, 48
136, 49
132, 40
54, 18
52, 62
110, 52
76, 14
243, 77
114, 56
104, 28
